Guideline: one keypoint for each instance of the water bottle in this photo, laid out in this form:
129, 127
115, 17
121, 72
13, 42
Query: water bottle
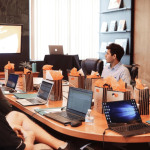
34, 67
89, 118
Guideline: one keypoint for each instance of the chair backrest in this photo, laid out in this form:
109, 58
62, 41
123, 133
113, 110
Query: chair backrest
133, 72
92, 64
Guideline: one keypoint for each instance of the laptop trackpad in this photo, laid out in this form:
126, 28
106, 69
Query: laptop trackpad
24, 102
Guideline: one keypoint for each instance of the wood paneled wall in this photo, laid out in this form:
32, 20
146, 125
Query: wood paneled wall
141, 45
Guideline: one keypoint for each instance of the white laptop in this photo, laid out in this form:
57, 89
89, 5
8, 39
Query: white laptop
56, 50
42, 95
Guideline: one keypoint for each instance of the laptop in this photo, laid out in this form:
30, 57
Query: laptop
123, 117
79, 101
56, 50
11, 82
42, 95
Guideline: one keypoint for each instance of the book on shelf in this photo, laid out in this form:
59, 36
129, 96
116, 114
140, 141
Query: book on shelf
113, 26
123, 43
114, 4
103, 47
122, 25
104, 27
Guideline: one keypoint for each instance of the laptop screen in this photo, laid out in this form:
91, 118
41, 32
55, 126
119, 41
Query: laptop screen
117, 112
12, 80
79, 100
44, 90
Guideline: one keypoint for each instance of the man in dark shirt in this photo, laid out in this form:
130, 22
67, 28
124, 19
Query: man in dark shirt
18, 132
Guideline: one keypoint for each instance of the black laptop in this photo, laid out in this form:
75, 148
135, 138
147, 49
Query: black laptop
11, 82
79, 101
123, 117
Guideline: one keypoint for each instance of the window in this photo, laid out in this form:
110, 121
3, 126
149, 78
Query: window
71, 23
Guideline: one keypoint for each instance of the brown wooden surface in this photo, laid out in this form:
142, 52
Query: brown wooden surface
91, 132
2, 74
141, 39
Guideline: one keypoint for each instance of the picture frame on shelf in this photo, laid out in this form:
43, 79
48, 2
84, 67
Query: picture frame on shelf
103, 47
122, 25
114, 4
122, 43
104, 27
113, 26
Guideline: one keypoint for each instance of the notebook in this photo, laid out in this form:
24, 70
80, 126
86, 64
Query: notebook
42, 95
11, 82
56, 50
79, 101
123, 117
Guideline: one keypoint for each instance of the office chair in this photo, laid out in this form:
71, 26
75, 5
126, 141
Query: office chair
90, 64
133, 69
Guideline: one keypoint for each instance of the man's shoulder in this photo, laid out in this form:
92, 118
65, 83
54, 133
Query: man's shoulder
124, 67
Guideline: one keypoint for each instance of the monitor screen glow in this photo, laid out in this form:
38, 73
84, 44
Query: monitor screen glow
10, 38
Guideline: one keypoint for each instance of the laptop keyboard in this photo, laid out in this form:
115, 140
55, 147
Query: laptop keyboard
5, 88
34, 100
130, 127
70, 116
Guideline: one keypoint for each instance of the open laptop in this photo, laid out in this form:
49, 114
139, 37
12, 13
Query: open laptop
56, 50
11, 82
123, 117
79, 101
42, 95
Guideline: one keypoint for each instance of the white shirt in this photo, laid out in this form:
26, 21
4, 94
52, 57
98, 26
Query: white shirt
118, 71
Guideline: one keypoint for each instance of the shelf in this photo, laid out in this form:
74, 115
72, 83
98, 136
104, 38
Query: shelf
105, 53
107, 32
120, 9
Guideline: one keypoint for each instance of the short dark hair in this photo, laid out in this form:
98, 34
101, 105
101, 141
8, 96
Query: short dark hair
116, 49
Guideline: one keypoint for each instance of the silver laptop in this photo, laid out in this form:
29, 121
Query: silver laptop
11, 82
56, 50
42, 95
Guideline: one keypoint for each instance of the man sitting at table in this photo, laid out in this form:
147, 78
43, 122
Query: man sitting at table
18, 132
113, 56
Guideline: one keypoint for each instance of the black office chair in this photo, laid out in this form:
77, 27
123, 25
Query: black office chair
133, 69
92, 64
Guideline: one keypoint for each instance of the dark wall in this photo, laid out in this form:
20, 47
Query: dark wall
16, 12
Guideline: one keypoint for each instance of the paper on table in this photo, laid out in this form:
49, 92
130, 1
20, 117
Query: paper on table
48, 110
52, 110
7, 92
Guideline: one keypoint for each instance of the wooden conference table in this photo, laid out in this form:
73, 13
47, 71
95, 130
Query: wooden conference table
91, 132
35, 74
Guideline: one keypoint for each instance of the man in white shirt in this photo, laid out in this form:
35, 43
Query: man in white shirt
113, 56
